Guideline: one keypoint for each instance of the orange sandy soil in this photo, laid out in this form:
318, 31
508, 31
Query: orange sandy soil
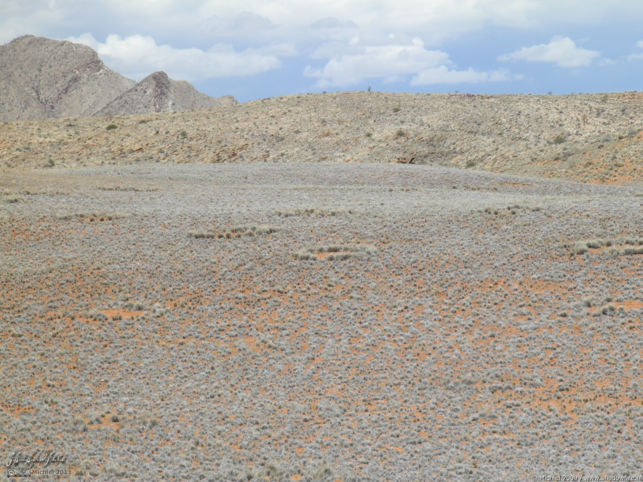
460, 349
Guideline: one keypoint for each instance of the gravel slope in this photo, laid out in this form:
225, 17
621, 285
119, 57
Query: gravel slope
585, 137
320, 321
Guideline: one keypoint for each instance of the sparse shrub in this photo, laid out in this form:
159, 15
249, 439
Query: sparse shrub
201, 234
618, 247
313, 212
96, 315
183, 134
559, 139
91, 217
470, 164
335, 252
323, 473
608, 309
234, 232
369, 134
396, 109
111, 127
78, 426
135, 306
127, 188
400, 133
580, 247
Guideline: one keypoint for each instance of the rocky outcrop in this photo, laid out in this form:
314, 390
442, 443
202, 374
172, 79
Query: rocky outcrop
44, 78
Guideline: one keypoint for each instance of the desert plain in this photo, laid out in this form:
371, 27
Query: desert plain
257, 299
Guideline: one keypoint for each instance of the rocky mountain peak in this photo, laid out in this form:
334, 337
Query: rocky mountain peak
42, 78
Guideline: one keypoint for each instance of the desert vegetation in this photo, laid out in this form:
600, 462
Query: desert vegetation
234, 232
614, 247
320, 320
336, 252
313, 212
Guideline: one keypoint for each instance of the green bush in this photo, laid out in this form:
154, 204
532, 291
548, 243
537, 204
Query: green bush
111, 126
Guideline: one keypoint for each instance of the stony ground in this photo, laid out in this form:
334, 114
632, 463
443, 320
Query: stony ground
320, 321
588, 137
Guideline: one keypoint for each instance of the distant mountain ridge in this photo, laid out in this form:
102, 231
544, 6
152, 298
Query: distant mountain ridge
45, 78
158, 93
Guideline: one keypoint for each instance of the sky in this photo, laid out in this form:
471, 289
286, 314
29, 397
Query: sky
254, 49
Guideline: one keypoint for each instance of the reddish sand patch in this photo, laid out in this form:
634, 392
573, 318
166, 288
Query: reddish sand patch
111, 313
629, 304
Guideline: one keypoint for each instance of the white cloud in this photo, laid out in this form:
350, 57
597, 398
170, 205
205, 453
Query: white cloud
639, 55
137, 56
345, 41
16, 19
382, 61
202, 21
443, 75
243, 25
393, 63
561, 51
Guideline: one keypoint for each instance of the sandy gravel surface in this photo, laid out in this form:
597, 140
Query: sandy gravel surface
320, 321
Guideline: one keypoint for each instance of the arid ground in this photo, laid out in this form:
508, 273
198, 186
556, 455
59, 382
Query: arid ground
591, 138
319, 321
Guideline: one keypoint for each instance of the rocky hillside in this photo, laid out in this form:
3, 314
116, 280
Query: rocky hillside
588, 138
44, 78
158, 93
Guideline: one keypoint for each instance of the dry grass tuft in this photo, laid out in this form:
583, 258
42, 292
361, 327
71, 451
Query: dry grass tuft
234, 232
336, 252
